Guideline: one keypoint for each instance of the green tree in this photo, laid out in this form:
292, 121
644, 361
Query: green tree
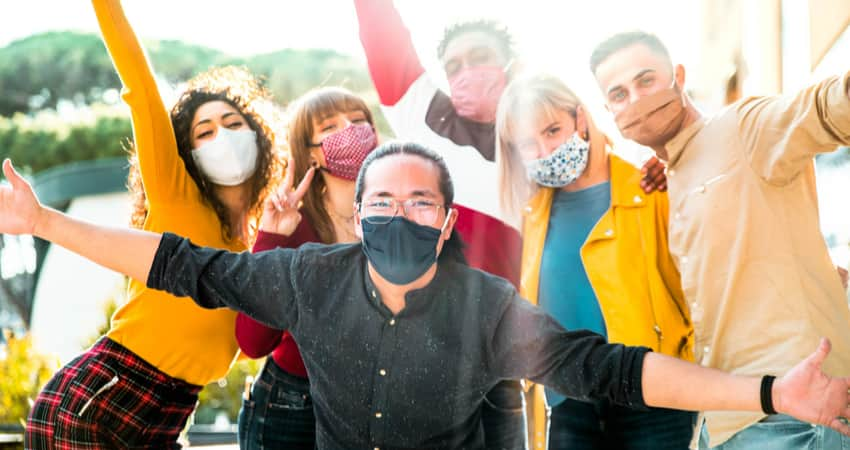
46, 141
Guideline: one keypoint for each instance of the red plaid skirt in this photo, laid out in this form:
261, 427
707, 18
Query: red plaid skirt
110, 398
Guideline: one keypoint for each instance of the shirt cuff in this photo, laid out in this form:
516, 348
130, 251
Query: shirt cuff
633, 381
836, 113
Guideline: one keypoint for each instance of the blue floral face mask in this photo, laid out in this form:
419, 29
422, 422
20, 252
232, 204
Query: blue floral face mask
563, 166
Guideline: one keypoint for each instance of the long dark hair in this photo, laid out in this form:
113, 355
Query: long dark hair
453, 247
241, 90
317, 105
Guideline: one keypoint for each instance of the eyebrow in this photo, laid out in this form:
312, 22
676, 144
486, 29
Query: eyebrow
639, 74
548, 127
223, 116
416, 193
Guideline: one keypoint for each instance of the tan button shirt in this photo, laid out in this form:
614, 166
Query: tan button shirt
745, 234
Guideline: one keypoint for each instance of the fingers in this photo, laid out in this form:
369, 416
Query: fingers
289, 177
274, 198
12, 175
821, 353
653, 175
302, 187
839, 426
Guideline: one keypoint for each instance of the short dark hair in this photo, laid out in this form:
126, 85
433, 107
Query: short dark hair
453, 247
620, 41
491, 27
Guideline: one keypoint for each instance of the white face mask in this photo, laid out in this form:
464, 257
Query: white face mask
230, 158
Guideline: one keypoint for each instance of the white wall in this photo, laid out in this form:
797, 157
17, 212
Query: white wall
71, 292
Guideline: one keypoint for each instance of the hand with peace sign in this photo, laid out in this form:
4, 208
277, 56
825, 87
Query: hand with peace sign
280, 211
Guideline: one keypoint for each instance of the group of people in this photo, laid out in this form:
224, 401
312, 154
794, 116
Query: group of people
498, 278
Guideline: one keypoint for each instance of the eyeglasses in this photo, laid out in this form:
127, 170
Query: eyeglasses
381, 211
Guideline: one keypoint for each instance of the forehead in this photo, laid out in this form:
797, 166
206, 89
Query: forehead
400, 175
474, 39
531, 123
213, 110
624, 64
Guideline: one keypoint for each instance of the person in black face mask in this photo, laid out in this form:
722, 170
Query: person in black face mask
407, 366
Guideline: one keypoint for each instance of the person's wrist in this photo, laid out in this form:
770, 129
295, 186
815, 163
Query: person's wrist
39, 219
769, 394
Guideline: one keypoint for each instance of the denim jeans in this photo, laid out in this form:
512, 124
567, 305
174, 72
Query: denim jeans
279, 413
577, 425
781, 432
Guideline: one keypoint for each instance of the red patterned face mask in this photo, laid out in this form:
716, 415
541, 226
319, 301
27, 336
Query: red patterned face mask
346, 149
476, 91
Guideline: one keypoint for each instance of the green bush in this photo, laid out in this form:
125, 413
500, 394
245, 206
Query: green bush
23, 372
225, 395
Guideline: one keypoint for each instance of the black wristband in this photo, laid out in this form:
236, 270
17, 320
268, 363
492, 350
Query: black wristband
767, 394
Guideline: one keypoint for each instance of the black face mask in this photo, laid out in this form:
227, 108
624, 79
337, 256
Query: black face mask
400, 250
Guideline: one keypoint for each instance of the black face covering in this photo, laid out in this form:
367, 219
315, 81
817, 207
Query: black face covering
400, 250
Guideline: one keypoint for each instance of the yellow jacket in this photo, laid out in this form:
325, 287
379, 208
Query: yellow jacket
630, 270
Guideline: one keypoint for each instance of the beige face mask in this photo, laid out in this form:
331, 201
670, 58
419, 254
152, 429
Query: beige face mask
655, 119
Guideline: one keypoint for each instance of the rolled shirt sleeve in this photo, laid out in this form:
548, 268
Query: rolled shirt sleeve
782, 133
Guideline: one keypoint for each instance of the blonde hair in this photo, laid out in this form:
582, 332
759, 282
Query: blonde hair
528, 100
315, 106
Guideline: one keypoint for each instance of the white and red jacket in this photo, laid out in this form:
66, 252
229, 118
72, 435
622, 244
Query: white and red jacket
417, 110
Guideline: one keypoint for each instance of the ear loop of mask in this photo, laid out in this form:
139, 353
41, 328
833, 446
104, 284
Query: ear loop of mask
446, 222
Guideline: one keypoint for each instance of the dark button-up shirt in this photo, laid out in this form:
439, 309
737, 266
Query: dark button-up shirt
415, 379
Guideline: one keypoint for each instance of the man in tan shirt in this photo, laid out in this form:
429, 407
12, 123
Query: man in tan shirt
744, 227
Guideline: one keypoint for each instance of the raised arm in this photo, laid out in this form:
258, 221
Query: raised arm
393, 63
783, 133
213, 278
529, 344
163, 173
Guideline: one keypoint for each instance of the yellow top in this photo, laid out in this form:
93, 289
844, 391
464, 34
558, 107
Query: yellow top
178, 337
629, 268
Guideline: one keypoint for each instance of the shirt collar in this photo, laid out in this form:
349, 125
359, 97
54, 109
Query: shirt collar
415, 300
676, 146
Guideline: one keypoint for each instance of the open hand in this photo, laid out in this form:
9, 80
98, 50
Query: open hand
810, 395
280, 211
19, 207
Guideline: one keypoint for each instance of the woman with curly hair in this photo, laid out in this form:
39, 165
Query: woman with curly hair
202, 171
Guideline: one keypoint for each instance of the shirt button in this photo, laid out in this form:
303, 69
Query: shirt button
379, 415
392, 322
701, 189
374, 295
677, 216
684, 260
638, 199
382, 372
609, 232
694, 305
706, 349
671, 173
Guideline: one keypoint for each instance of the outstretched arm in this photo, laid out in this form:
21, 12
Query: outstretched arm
783, 133
530, 344
127, 251
805, 392
212, 278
